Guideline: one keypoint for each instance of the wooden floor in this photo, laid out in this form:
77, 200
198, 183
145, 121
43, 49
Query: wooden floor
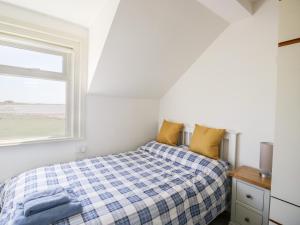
222, 219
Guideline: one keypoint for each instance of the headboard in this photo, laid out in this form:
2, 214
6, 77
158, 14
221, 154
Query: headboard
228, 145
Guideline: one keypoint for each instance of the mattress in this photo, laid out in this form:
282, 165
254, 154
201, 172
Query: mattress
156, 184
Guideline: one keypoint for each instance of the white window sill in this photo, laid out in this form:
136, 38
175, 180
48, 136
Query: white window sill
21, 142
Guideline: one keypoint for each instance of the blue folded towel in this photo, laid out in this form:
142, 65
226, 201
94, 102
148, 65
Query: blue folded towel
51, 207
48, 216
40, 201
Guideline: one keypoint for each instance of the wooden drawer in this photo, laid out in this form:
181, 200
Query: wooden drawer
250, 195
245, 216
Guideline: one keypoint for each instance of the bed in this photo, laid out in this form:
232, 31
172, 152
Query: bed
156, 184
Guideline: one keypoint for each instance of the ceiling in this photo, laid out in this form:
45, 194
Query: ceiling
231, 10
151, 44
148, 45
82, 12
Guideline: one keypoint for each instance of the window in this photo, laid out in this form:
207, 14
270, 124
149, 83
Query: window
39, 91
29, 59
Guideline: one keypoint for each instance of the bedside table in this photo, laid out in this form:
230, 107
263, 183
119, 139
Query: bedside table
250, 197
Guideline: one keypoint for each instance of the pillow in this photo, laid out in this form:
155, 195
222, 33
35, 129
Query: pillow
206, 141
181, 156
169, 133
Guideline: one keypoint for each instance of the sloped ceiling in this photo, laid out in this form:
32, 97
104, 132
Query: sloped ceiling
231, 10
151, 44
138, 48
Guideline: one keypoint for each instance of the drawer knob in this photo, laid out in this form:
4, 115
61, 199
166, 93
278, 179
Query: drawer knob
249, 196
247, 219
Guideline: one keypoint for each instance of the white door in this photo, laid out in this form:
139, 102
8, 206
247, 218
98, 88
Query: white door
284, 213
286, 156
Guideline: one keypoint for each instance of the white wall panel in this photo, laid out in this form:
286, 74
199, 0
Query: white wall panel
232, 85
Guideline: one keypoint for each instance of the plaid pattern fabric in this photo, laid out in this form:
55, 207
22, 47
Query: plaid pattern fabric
157, 184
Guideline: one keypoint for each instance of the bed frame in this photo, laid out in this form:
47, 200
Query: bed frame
228, 145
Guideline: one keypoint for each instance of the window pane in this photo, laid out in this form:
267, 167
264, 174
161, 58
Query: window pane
17, 57
31, 108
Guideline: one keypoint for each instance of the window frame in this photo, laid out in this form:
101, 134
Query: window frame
72, 74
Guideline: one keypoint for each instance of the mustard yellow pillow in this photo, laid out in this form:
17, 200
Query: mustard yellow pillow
206, 141
169, 133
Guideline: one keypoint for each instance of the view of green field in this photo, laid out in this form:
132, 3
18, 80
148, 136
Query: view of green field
30, 121
18, 127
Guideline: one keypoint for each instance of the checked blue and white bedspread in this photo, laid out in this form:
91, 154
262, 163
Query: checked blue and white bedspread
156, 184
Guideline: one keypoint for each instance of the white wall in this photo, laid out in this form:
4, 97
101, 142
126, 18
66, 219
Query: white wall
113, 125
120, 124
233, 84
